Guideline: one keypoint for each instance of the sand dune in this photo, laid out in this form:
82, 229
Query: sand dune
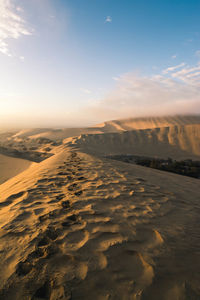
60, 134
80, 227
49, 133
179, 142
109, 126
148, 122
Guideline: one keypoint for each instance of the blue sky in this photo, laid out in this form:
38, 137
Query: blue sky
79, 62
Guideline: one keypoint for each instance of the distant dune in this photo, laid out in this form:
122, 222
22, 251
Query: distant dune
60, 134
171, 136
148, 122
179, 142
109, 126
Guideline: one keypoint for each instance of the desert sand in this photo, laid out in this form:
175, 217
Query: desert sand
78, 225
179, 142
11, 166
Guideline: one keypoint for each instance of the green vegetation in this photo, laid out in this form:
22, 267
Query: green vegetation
183, 167
186, 167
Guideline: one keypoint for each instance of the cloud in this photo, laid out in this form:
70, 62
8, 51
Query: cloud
86, 91
197, 53
134, 96
170, 69
174, 56
108, 19
115, 78
188, 75
12, 25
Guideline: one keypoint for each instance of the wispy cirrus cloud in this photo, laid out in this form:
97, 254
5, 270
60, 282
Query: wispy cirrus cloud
170, 69
188, 75
12, 25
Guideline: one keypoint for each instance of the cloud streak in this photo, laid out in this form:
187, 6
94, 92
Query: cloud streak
12, 25
171, 69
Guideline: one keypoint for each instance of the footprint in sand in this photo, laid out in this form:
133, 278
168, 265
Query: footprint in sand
72, 187
78, 193
81, 178
71, 220
24, 268
11, 198
38, 211
60, 196
51, 215
65, 204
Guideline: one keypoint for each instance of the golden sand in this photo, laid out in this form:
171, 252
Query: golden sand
80, 226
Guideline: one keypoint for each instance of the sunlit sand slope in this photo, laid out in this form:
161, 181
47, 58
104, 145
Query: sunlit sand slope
49, 133
179, 142
11, 166
79, 227
148, 122
60, 134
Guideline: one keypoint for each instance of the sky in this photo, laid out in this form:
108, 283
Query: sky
71, 63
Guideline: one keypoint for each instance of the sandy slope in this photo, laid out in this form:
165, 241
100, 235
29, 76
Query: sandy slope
11, 166
179, 142
148, 122
60, 134
109, 126
81, 227
50, 133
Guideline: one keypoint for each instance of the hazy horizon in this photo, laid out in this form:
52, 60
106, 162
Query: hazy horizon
74, 64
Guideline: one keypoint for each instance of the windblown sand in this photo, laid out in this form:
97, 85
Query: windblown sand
79, 226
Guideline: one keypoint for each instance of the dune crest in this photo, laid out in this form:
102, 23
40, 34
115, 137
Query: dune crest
86, 227
148, 122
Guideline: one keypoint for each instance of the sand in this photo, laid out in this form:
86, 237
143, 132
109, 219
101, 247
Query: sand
148, 122
106, 127
81, 226
178, 142
11, 166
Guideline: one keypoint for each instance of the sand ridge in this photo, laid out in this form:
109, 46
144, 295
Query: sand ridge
148, 122
88, 228
106, 127
178, 142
